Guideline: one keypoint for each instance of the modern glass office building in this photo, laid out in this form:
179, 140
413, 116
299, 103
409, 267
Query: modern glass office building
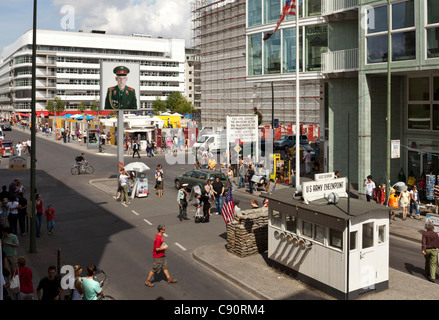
344, 47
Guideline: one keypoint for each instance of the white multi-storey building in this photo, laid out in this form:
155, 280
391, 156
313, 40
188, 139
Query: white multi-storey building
68, 66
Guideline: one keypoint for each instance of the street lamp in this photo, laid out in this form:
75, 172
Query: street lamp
32, 231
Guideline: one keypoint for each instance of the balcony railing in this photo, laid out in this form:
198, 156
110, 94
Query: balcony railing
340, 61
334, 6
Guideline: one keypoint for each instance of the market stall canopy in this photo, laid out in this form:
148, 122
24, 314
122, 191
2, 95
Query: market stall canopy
136, 166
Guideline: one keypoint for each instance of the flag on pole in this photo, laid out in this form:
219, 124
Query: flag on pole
228, 208
288, 10
272, 189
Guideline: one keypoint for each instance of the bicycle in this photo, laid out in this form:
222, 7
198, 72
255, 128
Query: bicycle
103, 296
79, 168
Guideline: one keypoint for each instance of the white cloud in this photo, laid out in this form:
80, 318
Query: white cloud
165, 18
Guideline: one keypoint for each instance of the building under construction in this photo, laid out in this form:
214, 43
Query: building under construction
220, 34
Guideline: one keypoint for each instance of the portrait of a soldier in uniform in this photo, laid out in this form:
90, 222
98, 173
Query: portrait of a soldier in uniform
121, 97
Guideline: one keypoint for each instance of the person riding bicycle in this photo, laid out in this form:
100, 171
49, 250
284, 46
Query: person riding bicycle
91, 288
80, 161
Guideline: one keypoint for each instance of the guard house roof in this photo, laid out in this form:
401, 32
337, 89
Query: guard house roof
320, 206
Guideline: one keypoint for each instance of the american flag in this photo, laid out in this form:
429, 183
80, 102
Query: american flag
228, 207
288, 10
272, 189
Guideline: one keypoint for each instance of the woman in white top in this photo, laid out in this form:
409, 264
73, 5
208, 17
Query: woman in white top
404, 200
12, 206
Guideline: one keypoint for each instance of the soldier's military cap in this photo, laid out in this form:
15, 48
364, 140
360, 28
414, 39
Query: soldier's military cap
121, 71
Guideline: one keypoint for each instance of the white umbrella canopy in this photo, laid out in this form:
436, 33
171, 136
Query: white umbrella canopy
136, 166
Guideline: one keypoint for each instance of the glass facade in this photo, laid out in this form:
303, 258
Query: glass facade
432, 29
254, 14
403, 36
316, 43
423, 105
255, 54
272, 54
272, 9
289, 50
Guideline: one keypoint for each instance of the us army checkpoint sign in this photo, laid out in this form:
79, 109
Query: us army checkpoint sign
313, 190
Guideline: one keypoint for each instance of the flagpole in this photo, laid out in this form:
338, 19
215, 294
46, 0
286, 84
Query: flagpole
297, 175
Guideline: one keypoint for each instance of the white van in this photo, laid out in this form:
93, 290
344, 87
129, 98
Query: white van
211, 141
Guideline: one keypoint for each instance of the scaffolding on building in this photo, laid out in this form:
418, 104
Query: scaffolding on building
219, 35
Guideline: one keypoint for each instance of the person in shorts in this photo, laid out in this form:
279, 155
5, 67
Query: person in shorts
159, 258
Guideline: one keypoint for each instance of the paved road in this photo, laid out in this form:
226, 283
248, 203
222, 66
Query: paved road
91, 227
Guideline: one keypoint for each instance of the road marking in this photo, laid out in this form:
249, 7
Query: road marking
134, 212
180, 246
124, 205
147, 222
165, 234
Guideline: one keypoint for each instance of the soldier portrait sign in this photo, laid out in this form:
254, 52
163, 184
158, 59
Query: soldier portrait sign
120, 86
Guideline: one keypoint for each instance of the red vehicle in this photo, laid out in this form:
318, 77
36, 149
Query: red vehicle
6, 148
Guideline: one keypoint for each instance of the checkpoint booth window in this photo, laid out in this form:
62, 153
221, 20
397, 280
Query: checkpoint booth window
311, 243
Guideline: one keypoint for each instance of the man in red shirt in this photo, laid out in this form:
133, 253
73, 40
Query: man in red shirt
159, 258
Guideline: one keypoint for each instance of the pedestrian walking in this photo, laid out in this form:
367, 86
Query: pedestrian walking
50, 218
136, 148
182, 202
370, 186
242, 171
22, 213
250, 174
4, 198
430, 244
25, 276
12, 206
307, 158
218, 191
230, 177
404, 200
10, 244
414, 203
159, 258
39, 217
123, 183
159, 180
50, 285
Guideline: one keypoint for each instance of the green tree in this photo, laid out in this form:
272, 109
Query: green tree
185, 107
158, 105
82, 107
56, 105
173, 101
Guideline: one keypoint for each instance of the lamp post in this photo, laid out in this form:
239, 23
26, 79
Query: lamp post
389, 99
32, 231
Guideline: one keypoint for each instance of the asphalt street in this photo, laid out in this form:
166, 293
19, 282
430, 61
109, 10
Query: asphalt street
93, 228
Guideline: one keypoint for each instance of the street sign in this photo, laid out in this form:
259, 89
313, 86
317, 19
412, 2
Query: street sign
395, 150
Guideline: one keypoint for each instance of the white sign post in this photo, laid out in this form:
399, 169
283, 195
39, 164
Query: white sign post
244, 129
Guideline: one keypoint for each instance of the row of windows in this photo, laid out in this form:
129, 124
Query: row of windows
268, 11
100, 51
278, 53
402, 32
328, 236
96, 61
423, 103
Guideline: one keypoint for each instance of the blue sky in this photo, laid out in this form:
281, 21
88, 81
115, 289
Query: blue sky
165, 18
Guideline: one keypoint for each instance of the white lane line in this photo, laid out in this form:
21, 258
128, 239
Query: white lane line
165, 234
147, 222
134, 212
124, 205
180, 246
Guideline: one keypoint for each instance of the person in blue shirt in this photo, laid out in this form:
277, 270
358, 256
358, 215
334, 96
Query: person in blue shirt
90, 286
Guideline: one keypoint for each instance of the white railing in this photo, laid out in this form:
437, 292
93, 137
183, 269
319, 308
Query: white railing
333, 6
340, 61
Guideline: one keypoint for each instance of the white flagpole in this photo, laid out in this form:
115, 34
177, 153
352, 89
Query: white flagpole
297, 175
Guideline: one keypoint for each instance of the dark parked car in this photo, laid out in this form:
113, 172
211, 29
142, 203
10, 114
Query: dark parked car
199, 177
6, 127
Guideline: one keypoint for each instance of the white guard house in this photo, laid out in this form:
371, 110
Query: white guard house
344, 253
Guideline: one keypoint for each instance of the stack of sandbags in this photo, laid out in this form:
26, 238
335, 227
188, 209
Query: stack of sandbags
247, 234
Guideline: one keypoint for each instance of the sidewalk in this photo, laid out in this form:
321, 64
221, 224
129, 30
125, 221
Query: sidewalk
253, 273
